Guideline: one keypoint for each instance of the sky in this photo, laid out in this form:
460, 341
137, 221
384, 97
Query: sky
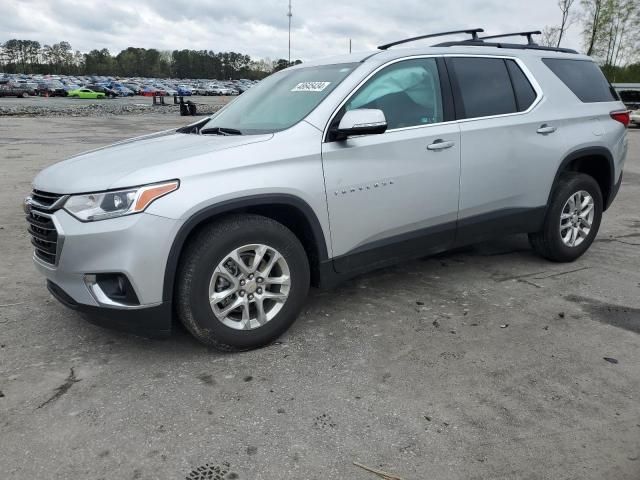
259, 28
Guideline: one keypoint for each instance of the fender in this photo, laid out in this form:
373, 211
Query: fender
228, 206
588, 152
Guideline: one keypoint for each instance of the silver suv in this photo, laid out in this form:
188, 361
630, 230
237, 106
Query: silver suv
323, 171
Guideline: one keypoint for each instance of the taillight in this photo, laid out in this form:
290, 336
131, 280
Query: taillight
621, 116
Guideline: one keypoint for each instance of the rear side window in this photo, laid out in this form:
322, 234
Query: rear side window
525, 94
485, 86
584, 78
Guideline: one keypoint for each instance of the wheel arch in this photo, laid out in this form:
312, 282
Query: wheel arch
594, 161
291, 211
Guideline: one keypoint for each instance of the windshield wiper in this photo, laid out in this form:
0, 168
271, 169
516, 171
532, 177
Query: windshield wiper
220, 131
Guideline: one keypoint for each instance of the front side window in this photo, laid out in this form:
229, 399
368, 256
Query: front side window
408, 92
485, 86
281, 100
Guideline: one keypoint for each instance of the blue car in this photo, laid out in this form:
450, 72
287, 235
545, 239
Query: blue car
183, 91
121, 89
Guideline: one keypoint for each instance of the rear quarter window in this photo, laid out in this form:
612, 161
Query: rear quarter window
584, 78
525, 94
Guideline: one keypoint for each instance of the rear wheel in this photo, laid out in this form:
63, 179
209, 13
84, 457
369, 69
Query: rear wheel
241, 282
572, 221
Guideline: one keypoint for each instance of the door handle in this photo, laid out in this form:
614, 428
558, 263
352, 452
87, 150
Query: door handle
546, 129
440, 144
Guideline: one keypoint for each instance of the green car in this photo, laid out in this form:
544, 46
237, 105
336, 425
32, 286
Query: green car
85, 93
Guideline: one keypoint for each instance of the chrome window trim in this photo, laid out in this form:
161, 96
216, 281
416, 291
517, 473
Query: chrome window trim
519, 62
527, 74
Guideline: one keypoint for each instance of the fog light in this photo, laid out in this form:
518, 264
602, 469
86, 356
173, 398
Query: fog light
112, 289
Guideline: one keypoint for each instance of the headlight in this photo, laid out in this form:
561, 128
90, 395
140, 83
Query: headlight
90, 207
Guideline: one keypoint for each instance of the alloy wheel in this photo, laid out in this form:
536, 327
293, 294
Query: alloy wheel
249, 286
576, 218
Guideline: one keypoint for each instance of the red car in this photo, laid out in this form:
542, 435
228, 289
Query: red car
152, 92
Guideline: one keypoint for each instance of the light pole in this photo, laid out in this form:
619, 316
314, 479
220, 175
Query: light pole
289, 14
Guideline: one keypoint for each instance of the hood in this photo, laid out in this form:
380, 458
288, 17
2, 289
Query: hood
101, 169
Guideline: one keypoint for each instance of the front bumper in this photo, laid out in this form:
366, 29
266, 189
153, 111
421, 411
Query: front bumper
151, 321
135, 246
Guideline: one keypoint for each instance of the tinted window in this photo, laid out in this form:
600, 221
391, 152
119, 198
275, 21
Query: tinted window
583, 77
408, 93
485, 86
525, 94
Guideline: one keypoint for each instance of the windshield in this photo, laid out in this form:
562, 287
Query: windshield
279, 101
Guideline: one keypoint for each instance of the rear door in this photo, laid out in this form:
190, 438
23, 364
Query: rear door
507, 142
395, 195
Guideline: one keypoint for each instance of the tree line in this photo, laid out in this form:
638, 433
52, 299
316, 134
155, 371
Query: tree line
610, 31
29, 56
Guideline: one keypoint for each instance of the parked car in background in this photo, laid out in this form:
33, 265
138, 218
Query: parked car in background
134, 87
58, 85
71, 86
149, 91
165, 89
108, 92
630, 95
241, 88
219, 90
51, 89
33, 88
9, 89
86, 93
30, 87
121, 90
184, 90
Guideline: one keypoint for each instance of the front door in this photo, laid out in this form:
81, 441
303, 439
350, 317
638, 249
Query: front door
395, 195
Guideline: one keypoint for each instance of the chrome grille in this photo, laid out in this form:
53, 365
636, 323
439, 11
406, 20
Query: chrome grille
45, 199
44, 236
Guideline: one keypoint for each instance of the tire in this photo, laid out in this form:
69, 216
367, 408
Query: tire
548, 242
202, 258
24, 95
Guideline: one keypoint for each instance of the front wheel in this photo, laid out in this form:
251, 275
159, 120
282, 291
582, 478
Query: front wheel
572, 221
241, 282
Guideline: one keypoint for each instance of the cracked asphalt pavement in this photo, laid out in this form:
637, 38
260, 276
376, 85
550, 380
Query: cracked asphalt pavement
483, 363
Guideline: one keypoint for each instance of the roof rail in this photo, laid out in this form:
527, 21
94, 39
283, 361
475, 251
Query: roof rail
473, 32
516, 34
512, 46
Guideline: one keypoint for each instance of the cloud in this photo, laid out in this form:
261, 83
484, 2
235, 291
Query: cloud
260, 27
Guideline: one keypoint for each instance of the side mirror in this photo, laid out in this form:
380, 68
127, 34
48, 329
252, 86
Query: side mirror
361, 121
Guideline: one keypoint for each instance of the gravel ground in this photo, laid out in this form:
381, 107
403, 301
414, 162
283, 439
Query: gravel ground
484, 363
74, 107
